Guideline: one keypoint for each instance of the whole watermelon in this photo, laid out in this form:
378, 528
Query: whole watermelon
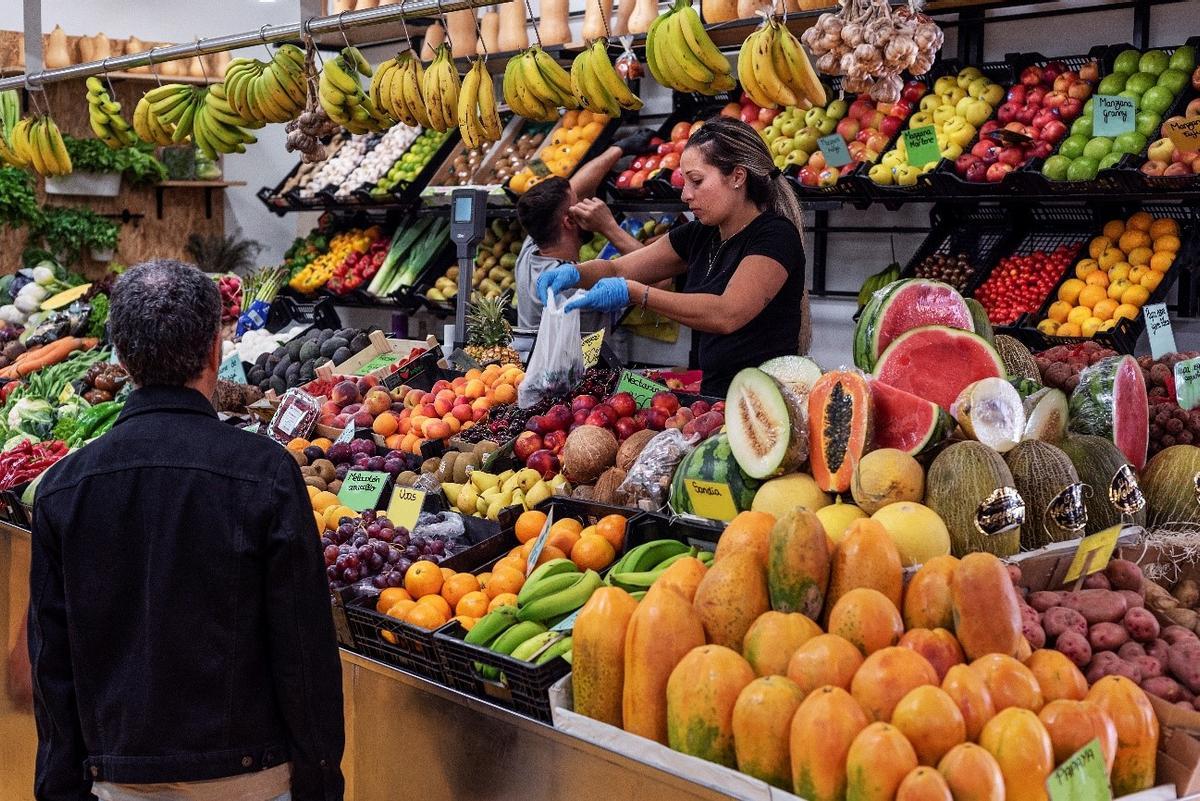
712, 460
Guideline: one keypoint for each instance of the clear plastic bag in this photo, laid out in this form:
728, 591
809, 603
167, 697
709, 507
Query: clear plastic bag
557, 361
649, 480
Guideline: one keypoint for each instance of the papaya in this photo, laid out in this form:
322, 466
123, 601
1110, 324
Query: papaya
886, 676
826, 659
661, 631
931, 721
798, 564
969, 691
773, 638
928, 601
866, 557
924, 784
937, 645
762, 724
866, 618
1057, 676
683, 576
972, 774
1073, 724
825, 725
599, 654
701, 693
879, 759
748, 531
839, 428
1137, 732
1009, 682
731, 596
987, 613
1022, 748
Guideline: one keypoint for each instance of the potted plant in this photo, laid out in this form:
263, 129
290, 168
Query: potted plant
18, 203
69, 232
97, 169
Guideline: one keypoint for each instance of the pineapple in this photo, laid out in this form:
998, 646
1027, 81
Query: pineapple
489, 335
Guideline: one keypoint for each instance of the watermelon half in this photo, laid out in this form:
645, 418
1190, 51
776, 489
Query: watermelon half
905, 422
1110, 401
936, 363
902, 306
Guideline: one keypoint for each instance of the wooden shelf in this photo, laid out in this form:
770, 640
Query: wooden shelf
200, 184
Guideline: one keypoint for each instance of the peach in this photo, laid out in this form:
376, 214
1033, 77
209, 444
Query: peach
414, 397
442, 406
428, 397
331, 408
386, 424
440, 385
395, 442
453, 422
463, 412
405, 425
479, 414
429, 410
474, 389
481, 403
436, 429
377, 402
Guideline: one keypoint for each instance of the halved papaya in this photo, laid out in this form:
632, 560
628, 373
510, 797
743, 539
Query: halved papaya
839, 428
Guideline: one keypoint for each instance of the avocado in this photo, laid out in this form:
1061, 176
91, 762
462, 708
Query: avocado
282, 368
277, 383
293, 374
309, 351
341, 355
360, 342
324, 334
329, 346
347, 333
261, 361
307, 372
256, 375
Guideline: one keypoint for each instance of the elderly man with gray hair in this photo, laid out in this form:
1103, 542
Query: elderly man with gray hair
179, 626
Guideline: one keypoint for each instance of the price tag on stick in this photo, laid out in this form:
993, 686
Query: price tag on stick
1158, 328
834, 148
1112, 115
538, 544
591, 348
711, 499
921, 144
405, 506
1093, 553
1081, 777
361, 489
1183, 133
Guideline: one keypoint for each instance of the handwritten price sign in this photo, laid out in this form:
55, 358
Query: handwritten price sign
1112, 115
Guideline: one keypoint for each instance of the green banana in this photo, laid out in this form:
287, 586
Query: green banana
565, 600
706, 557
532, 648
507, 642
540, 584
559, 648
492, 625
649, 555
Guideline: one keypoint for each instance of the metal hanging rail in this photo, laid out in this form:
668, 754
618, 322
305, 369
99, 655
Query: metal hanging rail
412, 9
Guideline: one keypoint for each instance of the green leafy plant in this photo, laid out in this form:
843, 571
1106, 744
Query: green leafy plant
69, 231
215, 253
18, 203
138, 164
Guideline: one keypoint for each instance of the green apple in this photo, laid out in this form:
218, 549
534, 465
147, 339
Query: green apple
1173, 80
1131, 142
966, 75
1146, 123
1072, 146
1083, 169
977, 87
959, 131
1098, 148
921, 119
929, 102
1127, 62
1139, 82
1110, 160
828, 125
1134, 96
1088, 106
952, 96
1183, 59
796, 157
1154, 62
1157, 99
944, 113
944, 84
807, 139
1111, 84
814, 116
1055, 168
789, 127
892, 158
1082, 125
782, 146
977, 112
837, 109
881, 174
951, 150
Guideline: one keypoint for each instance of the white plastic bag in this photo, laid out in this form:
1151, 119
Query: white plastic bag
557, 361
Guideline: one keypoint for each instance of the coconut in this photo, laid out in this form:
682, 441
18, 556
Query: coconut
972, 490
837, 517
1053, 494
632, 447
606, 488
918, 532
590, 450
886, 476
989, 410
1170, 481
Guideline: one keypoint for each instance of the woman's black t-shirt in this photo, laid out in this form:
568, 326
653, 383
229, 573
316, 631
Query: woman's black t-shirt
711, 265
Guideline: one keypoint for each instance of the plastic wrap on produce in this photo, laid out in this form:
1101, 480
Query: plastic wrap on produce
649, 479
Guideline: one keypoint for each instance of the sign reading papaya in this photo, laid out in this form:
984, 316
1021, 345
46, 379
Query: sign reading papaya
1081, 778
1158, 328
361, 489
1187, 383
641, 388
710, 499
834, 148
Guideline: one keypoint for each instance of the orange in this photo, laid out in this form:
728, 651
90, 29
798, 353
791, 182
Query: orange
1098, 246
1141, 221
1161, 262
1126, 311
323, 500
1048, 327
1078, 314
298, 444
1135, 295
529, 525
612, 528
1091, 295
549, 552
1059, 310
474, 604
422, 579
563, 539
504, 581
400, 609
1163, 226
1110, 257
1085, 268
335, 513
426, 616
1166, 244
1119, 271
1133, 239
438, 602
1097, 278
1151, 280
1069, 291
1117, 288
323, 442
1139, 256
1108, 325
1137, 273
503, 599
593, 552
457, 586
1068, 330
1090, 326
385, 424
517, 551
512, 563
1104, 309
389, 597
571, 118
567, 524
467, 621
446, 573
1113, 229
484, 578
320, 520
312, 492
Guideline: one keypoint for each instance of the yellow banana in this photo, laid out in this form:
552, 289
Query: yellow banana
698, 76
764, 70
414, 99
553, 74
597, 98
468, 109
656, 70
339, 78
606, 75
699, 43
36, 157
58, 148
509, 89
805, 78
489, 114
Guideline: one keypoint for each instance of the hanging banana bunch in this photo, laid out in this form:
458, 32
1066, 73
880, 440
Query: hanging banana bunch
36, 142
342, 96
440, 86
164, 115
10, 114
396, 88
775, 71
217, 128
597, 85
104, 115
535, 86
681, 55
273, 91
478, 114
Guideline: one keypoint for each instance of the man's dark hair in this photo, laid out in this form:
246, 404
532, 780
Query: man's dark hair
163, 319
540, 210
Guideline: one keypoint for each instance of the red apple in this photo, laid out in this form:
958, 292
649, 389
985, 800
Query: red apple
872, 119
555, 441
817, 161
584, 402
1044, 116
1031, 75
1041, 149
1080, 90
558, 417
890, 125
997, 171
1025, 114
988, 127
1053, 131
681, 131
848, 128
1011, 156
878, 141
1016, 95
913, 91
1177, 169
1008, 112
808, 175
768, 115
963, 162
639, 179
665, 401
748, 115
525, 444
1153, 167
545, 462
863, 135
677, 178
1193, 108
1070, 108
976, 172
1054, 100
731, 110
1062, 83
858, 107
1035, 96
623, 404
901, 109
1186, 156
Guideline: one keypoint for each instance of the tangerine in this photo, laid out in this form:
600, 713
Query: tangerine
320, 521
1113, 229
1078, 314
1097, 278
1068, 330
1070, 289
1090, 326
1126, 311
1117, 288
423, 578
467, 621
324, 442
562, 539
474, 604
1085, 268
400, 608
1135, 295
1168, 243
512, 563
503, 599
1140, 221
612, 528
1104, 309
1058, 311
446, 573
593, 552
1048, 327
1110, 257
323, 500
484, 578
1098, 245
1161, 262
457, 586
1139, 257
504, 581
1120, 270
438, 602
1091, 295
298, 444
1164, 226
1151, 280
1133, 239
529, 525
426, 616
389, 597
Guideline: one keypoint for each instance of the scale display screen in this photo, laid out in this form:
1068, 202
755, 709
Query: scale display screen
462, 210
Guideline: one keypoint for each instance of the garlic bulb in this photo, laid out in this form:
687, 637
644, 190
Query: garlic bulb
887, 89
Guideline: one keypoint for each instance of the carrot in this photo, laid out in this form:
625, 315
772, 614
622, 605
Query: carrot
53, 353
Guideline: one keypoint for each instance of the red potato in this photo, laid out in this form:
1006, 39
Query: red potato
1074, 646
1034, 633
1014, 573
1043, 601
1116, 666
1059, 620
1159, 649
1131, 650
1165, 688
1132, 599
1124, 575
1183, 663
1151, 668
1097, 606
1107, 637
1174, 634
1097, 581
1141, 624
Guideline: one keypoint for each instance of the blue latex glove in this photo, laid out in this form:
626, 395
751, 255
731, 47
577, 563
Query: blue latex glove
564, 276
608, 295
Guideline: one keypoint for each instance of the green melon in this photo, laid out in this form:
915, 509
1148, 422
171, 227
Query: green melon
767, 424
1046, 480
712, 460
1103, 467
1018, 361
902, 306
1170, 481
972, 490
1046, 415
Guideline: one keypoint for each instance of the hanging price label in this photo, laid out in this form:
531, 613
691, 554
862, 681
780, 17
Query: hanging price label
405, 506
231, 369
711, 499
1183, 133
347, 433
834, 148
591, 348
1158, 328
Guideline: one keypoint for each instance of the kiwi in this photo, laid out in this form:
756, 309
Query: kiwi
335, 486
325, 469
445, 469
430, 465
300, 458
406, 479
315, 481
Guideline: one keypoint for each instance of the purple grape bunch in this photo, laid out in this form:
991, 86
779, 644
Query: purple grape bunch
372, 547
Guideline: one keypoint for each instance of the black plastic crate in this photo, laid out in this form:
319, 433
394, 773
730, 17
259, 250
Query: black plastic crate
393, 641
410, 191
638, 523
979, 232
522, 687
697, 532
